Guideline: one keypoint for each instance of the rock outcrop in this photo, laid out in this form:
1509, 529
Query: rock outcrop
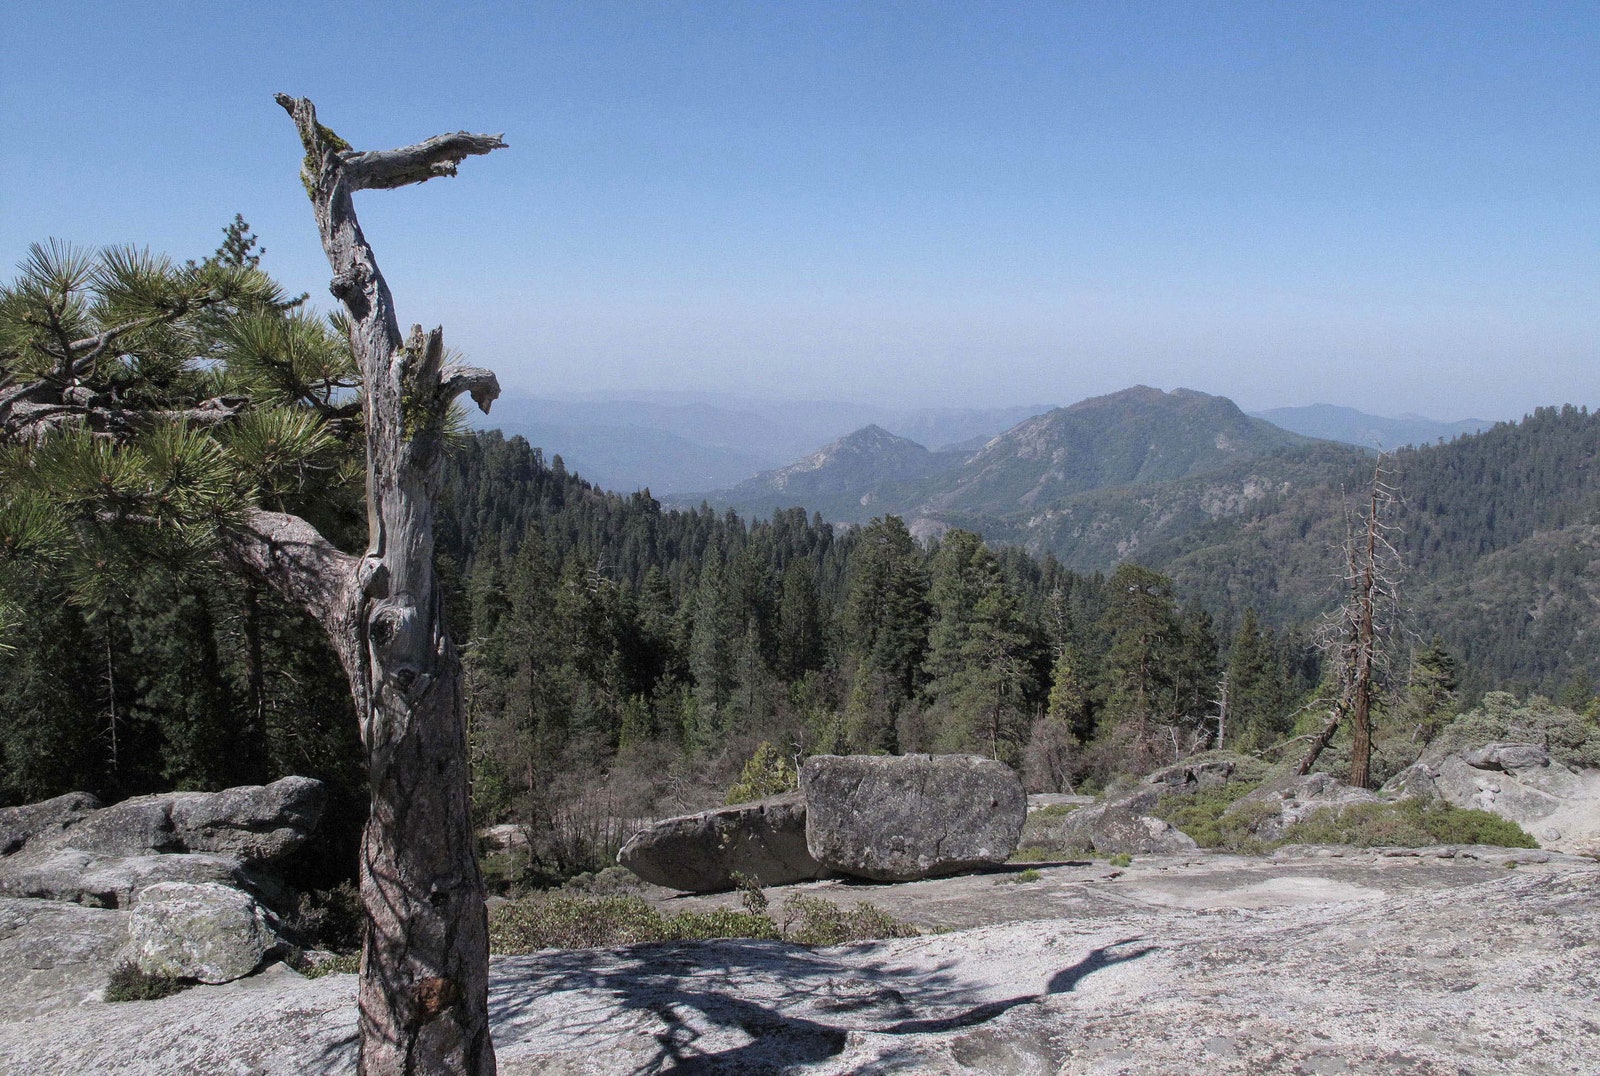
254, 823
204, 931
72, 848
184, 866
40, 823
1226, 964
700, 853
1520, 782
111, 881
1122, 826
1277, 805
898, 818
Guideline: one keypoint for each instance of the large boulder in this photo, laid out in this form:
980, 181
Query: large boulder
43, 821
700, 853
904, 817
1122, 826
97, 881
1193, 775
205, 931
256, 823
71, 848
1520, 782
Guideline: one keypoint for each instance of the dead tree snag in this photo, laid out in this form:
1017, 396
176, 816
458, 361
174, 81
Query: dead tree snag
424, 968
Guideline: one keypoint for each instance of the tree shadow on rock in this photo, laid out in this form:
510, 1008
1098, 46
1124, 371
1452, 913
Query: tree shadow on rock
738, 1006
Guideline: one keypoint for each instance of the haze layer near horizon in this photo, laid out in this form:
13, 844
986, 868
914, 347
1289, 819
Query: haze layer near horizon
921, 204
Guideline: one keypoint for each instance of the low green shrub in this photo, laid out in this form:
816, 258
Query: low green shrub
1200, 814
1408, 823
1573, 739
128, 983
1029, 875
1120, 859
813, 921
339, 963
609, 881
557, 921
1035, 853
768, 773
553, 921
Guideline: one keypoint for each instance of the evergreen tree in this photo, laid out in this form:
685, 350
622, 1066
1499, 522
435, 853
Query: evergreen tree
978, 665
801, 624
1428, 701
1068, 702
1256, 697
1140, 682
713, 657
886, 610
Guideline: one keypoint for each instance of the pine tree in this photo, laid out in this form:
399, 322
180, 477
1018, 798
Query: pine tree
125, 451
979, 668
713, 657
1428, 701
1256, 697
1068, 702
886, 613
801, 641
1140, 679
240, 247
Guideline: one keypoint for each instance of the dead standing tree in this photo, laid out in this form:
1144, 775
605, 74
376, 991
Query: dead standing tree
424, 967
1361, 624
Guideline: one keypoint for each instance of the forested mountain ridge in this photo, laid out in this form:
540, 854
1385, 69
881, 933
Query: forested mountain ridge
683, 443
1093, 483
1139, 436
849, 480
1497, 532
1098, 529
1353, 427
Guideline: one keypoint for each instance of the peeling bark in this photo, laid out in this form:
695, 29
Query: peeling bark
424, 969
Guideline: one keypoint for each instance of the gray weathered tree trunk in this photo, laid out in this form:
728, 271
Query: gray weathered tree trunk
424, 968
1372, 569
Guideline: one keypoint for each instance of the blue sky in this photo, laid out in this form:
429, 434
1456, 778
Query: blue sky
1395, 207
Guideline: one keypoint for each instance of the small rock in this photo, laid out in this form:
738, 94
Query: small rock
897, 818
1509, 757
202, 931
700, 853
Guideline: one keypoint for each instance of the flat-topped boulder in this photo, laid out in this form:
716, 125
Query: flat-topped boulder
97, 881
764, 840
896, 818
